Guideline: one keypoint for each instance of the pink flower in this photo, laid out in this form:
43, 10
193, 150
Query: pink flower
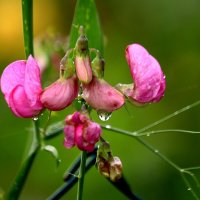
21, 86
102, 96
60, 94
81, 131
149, 80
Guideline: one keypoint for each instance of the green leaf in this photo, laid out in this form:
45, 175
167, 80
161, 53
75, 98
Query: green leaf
53, 151
87, 16
54, 129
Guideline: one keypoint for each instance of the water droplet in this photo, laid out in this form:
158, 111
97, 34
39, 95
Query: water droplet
156, 151
108, 126
104, 116
35, 118
189, 189
148, 134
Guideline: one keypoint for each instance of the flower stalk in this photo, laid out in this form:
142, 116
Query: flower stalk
81, 175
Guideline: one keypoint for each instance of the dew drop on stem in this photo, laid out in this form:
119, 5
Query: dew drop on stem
35, 118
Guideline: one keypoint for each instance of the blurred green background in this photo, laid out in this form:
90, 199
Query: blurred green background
170, 30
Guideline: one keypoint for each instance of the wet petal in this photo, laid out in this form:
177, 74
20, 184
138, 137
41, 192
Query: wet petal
149, 80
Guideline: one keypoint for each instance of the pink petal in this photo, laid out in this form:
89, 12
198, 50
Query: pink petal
32, 82
19, 103
12, 76
149, 81
102, 96
83, 69
79, 136
69, 136
60, 94
92, 132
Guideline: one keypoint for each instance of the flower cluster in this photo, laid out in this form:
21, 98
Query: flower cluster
21, 86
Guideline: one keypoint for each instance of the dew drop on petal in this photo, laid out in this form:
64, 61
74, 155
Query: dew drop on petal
104, 116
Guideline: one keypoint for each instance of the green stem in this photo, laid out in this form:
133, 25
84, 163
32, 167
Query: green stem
27, 15
81, 175
20, 179
152, 149
163, 157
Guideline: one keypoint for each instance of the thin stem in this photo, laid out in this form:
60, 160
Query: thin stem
148, 133
163, 157
27, 15
21, 177
167, 117
81, 175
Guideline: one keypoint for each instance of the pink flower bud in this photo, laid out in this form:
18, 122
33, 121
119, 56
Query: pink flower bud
60, 94
83, 68
102, 96
21, 86
81, 131
149, 80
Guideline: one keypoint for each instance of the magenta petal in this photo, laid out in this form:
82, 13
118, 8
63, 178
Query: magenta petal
149, 80
102, 96
69, 136
32, 82
12, 76
79, 136
19, 103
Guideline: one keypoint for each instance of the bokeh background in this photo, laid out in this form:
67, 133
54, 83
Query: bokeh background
170, 31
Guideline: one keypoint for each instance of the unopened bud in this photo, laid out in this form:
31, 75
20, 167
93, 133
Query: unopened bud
98, 66
108, 166
82, 59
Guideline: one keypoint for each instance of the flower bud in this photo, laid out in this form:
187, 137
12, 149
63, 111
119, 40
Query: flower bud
115, 168
98, 66
102, 96
60, 94
81, 131
21, 86
82, 59
108, 166
149, 80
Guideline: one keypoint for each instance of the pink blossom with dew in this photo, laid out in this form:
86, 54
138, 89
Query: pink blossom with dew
81, 131
102, 96
149, 80
60, 94
21, 86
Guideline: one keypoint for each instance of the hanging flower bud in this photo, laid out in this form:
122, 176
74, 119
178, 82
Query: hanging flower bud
115, 168
108, 165
82, 59
21, 86
81, 131
60, 94
102, 96
149, 80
